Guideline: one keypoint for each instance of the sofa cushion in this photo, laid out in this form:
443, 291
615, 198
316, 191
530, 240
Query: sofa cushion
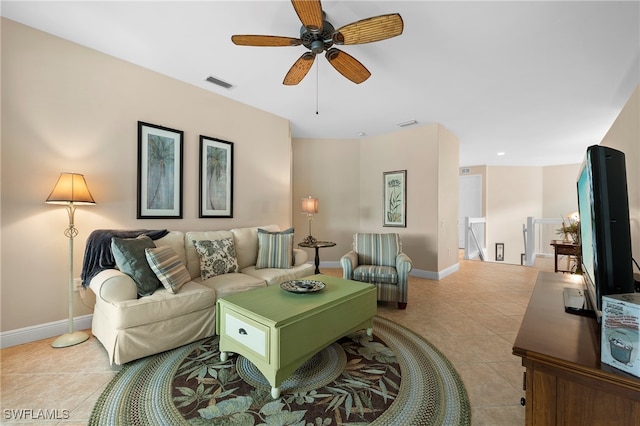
275, 249
161, 305
131, 259
246, 241
175, 240
193, 258
227, 284
168, 267
217, 257
278, 276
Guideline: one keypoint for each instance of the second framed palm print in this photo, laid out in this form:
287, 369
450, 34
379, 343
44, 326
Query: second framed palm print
216, 178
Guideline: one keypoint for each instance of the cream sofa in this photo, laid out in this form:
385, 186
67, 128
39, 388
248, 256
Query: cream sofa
130, 327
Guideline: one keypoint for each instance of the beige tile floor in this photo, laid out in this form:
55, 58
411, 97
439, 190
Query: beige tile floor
472, 316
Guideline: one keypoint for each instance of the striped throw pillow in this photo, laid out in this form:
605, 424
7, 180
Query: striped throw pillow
275, 249
168, 267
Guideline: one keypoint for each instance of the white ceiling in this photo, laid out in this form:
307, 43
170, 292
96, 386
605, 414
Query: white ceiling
539, 81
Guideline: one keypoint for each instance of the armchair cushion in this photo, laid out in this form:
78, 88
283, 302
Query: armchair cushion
376, 274
377, 249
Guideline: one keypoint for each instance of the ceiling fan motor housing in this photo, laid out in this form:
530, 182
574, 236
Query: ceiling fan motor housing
318, 41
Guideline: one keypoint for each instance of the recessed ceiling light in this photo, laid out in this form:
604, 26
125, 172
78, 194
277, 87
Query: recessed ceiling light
500, 154
362, 134
406, 123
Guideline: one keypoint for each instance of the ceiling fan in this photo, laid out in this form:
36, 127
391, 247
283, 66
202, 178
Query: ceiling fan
318, 35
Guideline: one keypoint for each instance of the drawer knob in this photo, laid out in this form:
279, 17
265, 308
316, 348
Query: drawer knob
242, 331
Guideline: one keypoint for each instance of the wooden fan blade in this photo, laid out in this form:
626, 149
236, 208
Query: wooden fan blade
264, 40
371, 29
347, 65
299, 69
310, 13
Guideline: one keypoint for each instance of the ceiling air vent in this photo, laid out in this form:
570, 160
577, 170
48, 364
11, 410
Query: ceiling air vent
407, 123
219, 82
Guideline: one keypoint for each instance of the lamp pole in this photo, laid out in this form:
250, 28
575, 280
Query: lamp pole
71, 338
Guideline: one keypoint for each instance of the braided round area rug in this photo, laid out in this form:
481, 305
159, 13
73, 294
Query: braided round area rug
393, 378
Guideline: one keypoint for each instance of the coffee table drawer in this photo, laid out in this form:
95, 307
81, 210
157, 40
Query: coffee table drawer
247, 332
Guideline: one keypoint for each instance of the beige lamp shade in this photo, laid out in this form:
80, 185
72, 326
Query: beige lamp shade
309, 205
70, 188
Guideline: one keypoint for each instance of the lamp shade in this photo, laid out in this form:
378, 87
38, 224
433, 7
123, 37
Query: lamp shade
309, 205
70, 188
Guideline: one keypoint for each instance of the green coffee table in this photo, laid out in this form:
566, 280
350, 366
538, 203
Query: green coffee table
278, 330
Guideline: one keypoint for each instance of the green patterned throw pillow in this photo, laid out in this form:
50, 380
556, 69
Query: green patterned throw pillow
129, 254
217, 257
168, 267
275, 249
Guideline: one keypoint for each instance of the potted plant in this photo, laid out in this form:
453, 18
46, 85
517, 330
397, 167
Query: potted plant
570, 229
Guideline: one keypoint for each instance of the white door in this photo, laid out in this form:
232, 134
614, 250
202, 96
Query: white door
470, 202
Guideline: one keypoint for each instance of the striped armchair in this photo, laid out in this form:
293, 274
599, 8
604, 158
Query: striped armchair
378, 259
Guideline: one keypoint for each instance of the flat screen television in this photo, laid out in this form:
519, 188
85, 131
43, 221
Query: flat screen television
603, 205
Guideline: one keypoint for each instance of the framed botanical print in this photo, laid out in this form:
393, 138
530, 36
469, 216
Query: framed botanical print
395, 198
216, 178
159, 172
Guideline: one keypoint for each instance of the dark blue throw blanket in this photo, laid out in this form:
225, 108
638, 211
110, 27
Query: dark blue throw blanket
97, 254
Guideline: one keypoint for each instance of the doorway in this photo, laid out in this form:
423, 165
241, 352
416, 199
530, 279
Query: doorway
469, 202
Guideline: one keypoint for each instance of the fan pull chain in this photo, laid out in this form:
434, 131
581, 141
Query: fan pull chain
317, 83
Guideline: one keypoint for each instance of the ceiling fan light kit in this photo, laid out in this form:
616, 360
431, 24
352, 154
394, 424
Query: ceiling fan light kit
318, 35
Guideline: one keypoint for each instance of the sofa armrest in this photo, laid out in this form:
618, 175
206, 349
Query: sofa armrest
112, 286
299, 257
349, 262
403, 264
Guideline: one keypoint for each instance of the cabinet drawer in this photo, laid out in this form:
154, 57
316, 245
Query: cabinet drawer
247, 332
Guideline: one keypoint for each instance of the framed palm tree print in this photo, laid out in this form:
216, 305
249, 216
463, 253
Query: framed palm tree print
216, 178
159, 172
395, 198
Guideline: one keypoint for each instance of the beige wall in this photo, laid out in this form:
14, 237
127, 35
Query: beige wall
448, 200
69, 108
329, 170
624, 135
429, 153
513, 193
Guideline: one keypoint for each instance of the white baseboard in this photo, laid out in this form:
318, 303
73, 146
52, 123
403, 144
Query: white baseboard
43, 331
431, 275
330, 264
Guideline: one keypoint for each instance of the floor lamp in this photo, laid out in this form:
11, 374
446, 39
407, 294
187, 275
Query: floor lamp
309, 207
70, 190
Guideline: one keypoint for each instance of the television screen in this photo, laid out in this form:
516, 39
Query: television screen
586, 231
603, 205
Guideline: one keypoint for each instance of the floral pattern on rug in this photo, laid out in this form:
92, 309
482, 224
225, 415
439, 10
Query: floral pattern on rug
208, 391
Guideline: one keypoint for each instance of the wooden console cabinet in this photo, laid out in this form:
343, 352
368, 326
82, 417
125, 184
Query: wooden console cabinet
564, 380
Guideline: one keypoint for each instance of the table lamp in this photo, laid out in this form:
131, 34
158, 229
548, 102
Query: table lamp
309, 207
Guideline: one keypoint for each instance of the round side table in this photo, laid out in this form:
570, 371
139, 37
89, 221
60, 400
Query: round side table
317, 245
